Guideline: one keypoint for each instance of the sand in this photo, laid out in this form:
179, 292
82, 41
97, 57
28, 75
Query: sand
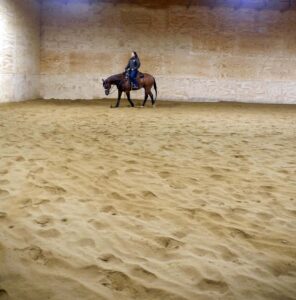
185, 201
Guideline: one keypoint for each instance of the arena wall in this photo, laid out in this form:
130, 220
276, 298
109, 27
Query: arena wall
19, 49
221, 52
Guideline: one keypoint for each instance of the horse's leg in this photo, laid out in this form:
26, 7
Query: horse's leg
128, 94
152, 99
146, 97
118, 98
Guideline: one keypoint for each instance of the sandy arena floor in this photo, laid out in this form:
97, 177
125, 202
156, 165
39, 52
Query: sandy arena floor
185, 201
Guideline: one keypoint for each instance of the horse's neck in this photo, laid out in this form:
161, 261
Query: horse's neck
115, 79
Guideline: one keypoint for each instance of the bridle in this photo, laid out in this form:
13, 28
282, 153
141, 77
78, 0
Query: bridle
111, 90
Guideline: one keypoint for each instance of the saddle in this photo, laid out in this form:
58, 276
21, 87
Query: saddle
139, 77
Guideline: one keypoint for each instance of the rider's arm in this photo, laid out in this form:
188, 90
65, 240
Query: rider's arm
138, 63
127, 66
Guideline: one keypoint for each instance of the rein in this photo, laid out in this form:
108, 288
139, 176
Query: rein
113, 88
112, 91
115, 85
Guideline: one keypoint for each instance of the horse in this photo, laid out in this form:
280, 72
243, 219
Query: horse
122, 83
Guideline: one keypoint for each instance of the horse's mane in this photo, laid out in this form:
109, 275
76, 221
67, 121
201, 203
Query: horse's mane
115, 79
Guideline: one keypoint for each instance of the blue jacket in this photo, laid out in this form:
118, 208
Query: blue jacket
133, 64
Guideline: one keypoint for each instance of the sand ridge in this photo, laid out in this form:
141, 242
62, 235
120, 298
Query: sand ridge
185, 201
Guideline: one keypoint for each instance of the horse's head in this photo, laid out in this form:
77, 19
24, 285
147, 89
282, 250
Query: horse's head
107, 86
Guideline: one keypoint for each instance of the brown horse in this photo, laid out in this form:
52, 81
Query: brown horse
122, 83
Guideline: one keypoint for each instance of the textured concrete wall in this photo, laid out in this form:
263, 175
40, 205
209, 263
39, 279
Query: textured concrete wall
19, 49
198, 53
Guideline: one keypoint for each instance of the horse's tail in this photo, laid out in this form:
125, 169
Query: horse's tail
155, 88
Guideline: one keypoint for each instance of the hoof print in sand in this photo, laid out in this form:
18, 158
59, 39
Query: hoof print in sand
169, 243
235, 232
3, 294
4, 193
43, 220
34, 253
109, 209
3, 215
142, 273
148, 194
217, 286
109, 258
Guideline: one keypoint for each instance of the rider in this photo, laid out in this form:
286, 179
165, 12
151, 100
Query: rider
132, 69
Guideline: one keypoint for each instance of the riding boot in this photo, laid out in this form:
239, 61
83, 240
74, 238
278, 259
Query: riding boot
135, 85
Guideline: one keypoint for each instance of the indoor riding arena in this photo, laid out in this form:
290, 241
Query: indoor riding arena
188, 196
